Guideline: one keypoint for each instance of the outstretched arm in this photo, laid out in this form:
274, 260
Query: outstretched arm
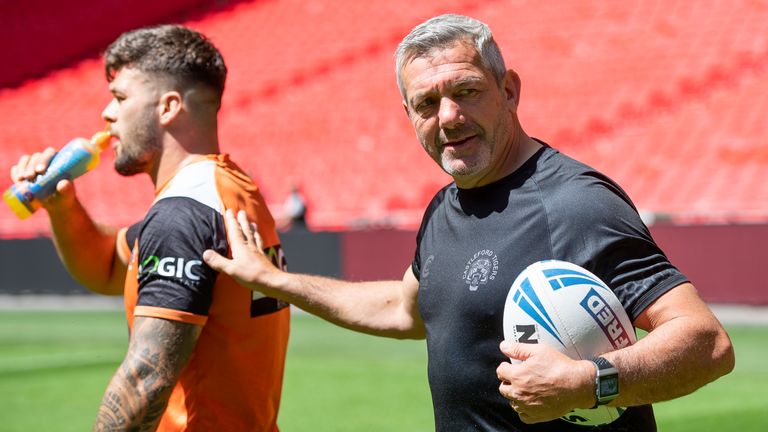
138, 393
384, 308
686, 348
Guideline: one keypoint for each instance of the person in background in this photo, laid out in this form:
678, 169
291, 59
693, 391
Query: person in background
295, 210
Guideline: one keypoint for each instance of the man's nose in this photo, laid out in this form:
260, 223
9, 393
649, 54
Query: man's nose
110, 111
450, 114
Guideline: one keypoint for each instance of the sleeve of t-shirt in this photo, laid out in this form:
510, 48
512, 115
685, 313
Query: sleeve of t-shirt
174, 282
132, 234
431, 208
605, 235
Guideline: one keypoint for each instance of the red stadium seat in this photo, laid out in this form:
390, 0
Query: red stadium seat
668, 100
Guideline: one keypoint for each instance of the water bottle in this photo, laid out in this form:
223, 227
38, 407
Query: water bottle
75, 159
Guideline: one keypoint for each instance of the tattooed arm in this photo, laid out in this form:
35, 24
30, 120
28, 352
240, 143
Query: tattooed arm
138, 393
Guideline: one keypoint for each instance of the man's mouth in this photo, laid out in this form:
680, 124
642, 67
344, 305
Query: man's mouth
458, 143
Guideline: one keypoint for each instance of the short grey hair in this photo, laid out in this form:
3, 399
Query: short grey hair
442, 32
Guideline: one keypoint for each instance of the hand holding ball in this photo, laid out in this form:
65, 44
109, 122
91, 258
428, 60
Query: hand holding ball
571, 310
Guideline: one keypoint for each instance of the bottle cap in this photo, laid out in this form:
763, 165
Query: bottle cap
101, 139
13, 201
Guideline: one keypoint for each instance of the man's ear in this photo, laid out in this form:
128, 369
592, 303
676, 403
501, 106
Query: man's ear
170, 106
512, 89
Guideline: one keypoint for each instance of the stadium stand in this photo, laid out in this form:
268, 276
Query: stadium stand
666, 97
41, 35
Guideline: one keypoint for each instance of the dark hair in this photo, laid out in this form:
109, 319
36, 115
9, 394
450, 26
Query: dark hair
173, 50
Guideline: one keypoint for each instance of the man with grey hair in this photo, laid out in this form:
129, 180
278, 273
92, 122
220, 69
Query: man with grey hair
514, 201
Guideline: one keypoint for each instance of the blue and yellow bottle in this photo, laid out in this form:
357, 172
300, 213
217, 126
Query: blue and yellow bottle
73, 160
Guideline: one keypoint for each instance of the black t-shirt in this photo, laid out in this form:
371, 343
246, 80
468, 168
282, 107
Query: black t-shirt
172, 275
552, 207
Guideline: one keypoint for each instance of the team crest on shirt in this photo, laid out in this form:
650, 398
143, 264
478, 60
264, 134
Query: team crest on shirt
424, 280
481, 268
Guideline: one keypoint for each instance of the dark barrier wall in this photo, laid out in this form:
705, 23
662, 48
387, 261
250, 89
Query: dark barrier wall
724, 262
313, 252
32, 267
377, 255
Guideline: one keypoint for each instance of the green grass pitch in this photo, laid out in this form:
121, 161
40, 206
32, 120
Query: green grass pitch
54, 367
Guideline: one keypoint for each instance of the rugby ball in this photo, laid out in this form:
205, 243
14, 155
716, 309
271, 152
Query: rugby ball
562, 305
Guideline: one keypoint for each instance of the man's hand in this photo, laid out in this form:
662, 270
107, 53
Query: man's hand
30, 166
546, 384
248, 266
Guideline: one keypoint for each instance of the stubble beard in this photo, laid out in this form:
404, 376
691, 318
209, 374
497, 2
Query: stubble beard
466, 164
492, 147
137, 149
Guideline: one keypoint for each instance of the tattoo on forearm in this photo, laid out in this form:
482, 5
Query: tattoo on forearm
138, 393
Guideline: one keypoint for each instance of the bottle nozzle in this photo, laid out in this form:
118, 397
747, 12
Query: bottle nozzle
101, 138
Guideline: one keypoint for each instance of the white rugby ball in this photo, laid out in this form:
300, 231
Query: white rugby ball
562, 305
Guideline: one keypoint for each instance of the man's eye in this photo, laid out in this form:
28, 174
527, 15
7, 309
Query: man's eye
466, 92
425, 105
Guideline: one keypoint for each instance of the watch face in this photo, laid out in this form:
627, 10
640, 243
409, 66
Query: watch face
609, 386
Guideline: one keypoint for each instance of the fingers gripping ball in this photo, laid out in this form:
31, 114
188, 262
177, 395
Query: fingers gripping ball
570, 309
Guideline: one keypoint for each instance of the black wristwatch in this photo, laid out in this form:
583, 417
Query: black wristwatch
606, 381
